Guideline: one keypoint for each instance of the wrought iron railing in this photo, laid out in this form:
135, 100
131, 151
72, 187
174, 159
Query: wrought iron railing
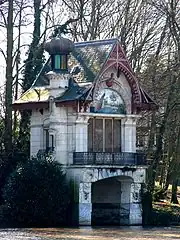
104, 158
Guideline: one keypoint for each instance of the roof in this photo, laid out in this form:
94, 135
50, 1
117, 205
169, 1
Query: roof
35, 94
89, 57
74, 92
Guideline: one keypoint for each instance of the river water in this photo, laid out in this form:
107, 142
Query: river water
88, 233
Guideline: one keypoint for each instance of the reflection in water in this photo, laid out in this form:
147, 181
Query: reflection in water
88, 233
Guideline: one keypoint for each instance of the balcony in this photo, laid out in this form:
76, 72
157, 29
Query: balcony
104, 158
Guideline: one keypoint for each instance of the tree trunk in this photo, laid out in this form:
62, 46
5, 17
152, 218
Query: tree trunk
174, 191
146, 197
9, 81
32, 68
176, 165
17, 62
152, 132
168, 110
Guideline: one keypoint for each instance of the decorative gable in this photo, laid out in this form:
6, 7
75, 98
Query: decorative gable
119, 62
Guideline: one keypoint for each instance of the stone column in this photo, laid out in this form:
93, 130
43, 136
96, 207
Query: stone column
82, 134
128, 134
135, 217
85, 205
125, 202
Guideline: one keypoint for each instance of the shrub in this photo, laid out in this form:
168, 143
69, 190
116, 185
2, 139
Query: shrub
160, 218
158, 194
36, 195
165, 214
8, 164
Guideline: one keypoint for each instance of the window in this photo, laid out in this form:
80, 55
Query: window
108, 138
48, 140
59, 62
63, 62
104, 135
98, 135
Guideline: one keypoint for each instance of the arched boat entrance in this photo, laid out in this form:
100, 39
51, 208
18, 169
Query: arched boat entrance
111, 201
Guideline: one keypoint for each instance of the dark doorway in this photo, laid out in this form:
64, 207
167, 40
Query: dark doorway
106, 202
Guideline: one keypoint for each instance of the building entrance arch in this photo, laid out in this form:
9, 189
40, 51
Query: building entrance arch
110, 199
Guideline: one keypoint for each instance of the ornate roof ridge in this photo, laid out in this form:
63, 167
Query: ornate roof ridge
97, 42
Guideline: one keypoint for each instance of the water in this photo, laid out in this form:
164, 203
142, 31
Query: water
88, 233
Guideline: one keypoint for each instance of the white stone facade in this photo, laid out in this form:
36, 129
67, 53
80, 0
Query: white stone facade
66, 130
70, 128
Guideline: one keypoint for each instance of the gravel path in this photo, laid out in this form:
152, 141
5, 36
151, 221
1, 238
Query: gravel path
87, 233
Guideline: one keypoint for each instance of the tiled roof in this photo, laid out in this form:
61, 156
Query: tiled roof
88, 56
35, 94
74, 92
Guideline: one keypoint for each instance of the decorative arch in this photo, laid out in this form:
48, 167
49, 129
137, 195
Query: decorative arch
116, 86
126, 99
118, 60
93, 175
136, 95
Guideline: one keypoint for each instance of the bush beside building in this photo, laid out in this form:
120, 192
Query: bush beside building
36, 194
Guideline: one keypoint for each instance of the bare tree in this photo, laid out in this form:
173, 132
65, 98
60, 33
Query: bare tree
12, 19
9, 79
169, 11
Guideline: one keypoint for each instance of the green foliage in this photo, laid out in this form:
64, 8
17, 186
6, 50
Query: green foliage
8, 164
165, 215
158, 214
36, 195
158, 194
33, 65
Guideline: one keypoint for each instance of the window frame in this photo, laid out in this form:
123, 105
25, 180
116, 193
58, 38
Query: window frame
92, 144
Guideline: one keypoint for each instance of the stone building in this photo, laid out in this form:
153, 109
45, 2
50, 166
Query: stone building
84, 106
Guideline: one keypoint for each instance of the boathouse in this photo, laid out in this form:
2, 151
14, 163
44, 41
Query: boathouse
84, 105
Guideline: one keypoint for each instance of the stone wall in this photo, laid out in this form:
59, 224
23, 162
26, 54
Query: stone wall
123, 201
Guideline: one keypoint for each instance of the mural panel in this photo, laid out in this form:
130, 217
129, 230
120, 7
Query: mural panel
108, 101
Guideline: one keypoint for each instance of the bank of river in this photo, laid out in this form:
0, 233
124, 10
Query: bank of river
88, 233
